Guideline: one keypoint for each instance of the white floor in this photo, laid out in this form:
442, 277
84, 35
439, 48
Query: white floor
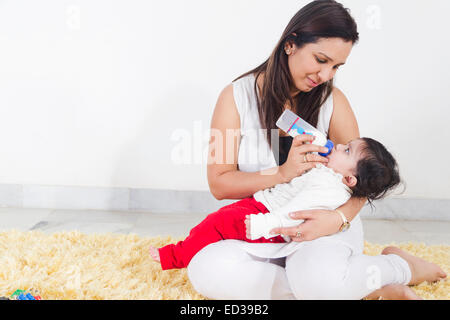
153, 224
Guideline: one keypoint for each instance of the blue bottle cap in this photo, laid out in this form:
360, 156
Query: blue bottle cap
330, 146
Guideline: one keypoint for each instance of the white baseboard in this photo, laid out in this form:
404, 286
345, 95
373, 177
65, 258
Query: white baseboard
171, 201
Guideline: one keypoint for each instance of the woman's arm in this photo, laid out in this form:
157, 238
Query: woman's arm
343, 125
224, 178
344, 128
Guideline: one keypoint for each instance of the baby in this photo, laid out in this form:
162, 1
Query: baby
361, 168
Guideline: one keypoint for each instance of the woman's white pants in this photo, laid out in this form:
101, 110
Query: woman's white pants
320, 269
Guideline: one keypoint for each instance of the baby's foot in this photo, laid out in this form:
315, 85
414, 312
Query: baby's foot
421, 270
394, 292
247, 227
154, 253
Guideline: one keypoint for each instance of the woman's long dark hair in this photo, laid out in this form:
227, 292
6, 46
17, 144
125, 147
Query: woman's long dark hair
318, 19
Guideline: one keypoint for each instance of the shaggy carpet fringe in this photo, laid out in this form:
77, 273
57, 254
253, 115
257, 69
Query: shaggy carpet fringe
73, 265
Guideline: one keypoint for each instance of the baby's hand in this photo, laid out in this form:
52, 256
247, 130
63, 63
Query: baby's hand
247, 226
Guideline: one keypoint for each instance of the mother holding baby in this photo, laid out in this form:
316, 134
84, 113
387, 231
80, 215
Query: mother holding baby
330, 263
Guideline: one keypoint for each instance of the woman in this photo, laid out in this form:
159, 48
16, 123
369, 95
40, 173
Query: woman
299, 76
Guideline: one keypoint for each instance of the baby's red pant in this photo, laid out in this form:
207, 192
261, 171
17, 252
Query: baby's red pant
226, 223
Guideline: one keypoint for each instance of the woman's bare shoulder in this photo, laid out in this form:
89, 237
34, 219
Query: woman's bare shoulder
226, 114
227, 93
339, 99
343, 124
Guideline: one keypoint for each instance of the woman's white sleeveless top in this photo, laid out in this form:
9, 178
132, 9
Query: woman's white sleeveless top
254, 150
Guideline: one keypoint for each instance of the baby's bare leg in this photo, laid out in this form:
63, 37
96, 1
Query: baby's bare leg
154, 253
247, 226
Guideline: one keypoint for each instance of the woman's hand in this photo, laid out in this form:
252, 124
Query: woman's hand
318, 223
299, 160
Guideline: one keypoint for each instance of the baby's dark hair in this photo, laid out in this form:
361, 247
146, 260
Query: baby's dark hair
377, 171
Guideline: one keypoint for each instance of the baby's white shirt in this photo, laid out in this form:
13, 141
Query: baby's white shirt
319, 188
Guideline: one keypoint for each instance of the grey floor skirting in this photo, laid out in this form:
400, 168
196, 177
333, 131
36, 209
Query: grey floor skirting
172, 201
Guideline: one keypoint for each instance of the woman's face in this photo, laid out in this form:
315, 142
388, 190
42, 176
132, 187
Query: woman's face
316, 63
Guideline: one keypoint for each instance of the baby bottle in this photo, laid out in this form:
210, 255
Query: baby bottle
293, 125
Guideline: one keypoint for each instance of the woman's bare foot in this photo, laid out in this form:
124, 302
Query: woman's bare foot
394, 292
421, 270
154, 253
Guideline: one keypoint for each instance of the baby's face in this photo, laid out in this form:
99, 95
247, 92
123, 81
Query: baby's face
344, 157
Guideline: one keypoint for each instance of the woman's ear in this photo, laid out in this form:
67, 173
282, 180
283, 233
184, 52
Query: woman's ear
350, 181
289, 47
290, 44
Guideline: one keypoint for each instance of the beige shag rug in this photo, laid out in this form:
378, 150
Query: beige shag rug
73, 265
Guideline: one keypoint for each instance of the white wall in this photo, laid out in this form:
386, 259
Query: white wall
94, 93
